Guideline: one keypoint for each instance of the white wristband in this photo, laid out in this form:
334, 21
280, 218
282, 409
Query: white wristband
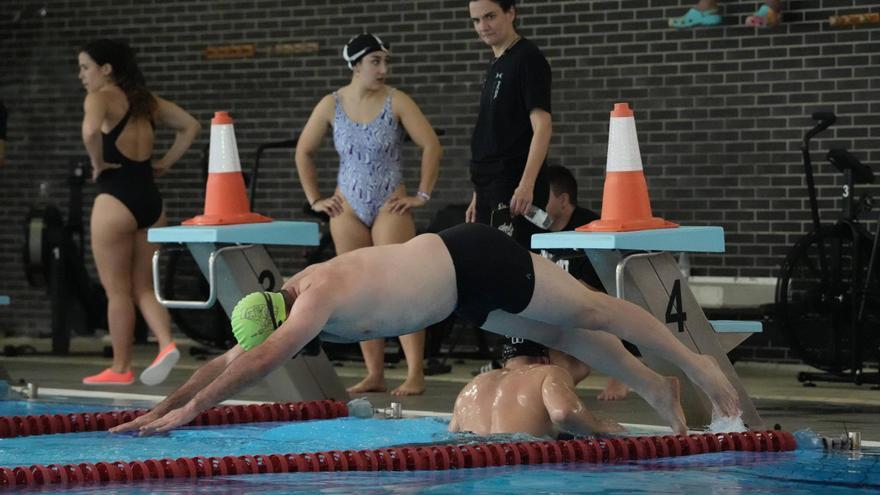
424, 195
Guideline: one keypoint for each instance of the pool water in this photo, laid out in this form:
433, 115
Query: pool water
801, 472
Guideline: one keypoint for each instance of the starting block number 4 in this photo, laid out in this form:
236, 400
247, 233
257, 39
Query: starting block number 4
675, 304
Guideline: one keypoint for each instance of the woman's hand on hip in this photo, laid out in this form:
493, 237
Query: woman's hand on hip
402, 205
332, 206
97, 171
160, 168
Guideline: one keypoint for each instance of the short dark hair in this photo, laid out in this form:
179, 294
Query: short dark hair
504, 4
562, 181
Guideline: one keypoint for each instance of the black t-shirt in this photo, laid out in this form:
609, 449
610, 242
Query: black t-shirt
574, 260
515, 84
3, 116
580, 216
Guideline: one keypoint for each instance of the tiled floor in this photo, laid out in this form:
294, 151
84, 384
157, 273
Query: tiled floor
828, 408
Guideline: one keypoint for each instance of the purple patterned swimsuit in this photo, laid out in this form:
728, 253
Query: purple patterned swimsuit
369, 159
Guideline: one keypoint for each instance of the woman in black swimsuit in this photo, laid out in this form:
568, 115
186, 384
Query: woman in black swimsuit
117, 130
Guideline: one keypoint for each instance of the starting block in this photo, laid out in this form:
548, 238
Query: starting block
234, 260
638, 266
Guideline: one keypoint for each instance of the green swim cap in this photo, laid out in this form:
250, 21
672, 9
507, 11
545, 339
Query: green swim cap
252, 322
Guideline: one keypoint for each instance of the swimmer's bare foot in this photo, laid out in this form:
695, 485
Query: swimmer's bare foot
711, 380
411, 386
368, 384
666, 400
614, 390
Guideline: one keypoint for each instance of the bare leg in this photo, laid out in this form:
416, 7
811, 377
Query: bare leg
113, 230
156, 315
414, 350
349, 233
560, 300
392, 228
374, 360
606, 353
705, 5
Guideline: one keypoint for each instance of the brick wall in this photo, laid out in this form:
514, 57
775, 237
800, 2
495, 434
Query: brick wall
719, 110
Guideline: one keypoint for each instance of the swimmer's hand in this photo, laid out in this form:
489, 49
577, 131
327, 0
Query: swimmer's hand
402, 205
178, 417
331, 206
98, 170
137, 423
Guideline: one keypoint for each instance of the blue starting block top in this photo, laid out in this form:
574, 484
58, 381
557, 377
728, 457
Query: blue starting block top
278, 233
737, 326
686, 239
4, 300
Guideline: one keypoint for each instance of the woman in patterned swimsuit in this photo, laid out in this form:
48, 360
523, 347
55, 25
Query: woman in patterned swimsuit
370, 205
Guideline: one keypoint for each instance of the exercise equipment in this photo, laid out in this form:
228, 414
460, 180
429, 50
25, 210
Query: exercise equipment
54, 259
828, 289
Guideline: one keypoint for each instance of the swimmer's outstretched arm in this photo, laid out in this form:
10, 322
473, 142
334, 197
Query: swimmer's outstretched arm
308, 316
198, 381
567, 411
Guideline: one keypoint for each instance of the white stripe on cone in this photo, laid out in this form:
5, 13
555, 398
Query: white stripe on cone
224, 151
623, 146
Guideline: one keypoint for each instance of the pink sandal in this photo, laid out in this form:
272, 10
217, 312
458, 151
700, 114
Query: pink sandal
764, 17
157, 372
110, 377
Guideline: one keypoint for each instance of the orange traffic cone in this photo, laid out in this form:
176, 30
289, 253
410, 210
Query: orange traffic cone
625, 203
226, 200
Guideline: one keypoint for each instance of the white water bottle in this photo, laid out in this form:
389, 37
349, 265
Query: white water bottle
538, 217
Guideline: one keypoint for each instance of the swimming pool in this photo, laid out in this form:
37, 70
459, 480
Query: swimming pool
799, 472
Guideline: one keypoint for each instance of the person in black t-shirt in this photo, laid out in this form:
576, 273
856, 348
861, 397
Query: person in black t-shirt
512, 133
562, 206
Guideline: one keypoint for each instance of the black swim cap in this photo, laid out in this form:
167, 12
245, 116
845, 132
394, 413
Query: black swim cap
362, 45
515, 347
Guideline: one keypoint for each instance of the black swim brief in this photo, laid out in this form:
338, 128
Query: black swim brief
492, 271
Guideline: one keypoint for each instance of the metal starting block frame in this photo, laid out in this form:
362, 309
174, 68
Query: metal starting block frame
638, 267
234, 260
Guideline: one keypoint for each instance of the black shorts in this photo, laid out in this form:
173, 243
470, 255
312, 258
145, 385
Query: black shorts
499, 190
492, 271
